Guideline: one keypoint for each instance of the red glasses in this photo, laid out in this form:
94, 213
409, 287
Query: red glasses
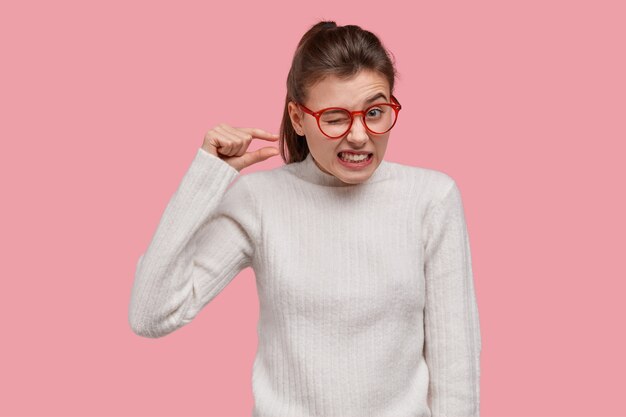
335, 122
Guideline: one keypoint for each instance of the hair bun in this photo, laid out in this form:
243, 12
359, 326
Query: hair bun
323, 25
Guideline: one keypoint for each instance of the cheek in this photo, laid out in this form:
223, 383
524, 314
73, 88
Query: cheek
324, 149
381, 145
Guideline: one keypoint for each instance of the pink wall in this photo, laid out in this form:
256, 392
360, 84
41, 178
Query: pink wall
103, 105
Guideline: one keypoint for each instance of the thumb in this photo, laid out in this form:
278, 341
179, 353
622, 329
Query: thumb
265, 153
261, 155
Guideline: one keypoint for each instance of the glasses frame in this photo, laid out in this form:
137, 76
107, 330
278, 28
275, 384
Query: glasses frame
396, 107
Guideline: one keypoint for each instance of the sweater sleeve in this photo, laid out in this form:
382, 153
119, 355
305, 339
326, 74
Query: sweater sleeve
204, 238
452, 340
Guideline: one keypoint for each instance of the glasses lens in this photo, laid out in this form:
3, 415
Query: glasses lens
380, 118
335, 122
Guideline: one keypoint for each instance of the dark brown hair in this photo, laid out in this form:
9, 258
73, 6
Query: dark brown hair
327, 49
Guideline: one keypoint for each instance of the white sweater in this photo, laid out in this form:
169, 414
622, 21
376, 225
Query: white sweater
366, 292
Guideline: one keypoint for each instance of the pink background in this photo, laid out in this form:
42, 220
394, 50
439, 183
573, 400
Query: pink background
104, 104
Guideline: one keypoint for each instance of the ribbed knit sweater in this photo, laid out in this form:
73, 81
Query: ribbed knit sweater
366, 295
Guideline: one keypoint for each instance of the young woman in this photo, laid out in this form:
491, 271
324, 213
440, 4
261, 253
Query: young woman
363, 266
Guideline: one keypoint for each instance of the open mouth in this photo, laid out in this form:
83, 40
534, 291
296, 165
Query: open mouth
355, 161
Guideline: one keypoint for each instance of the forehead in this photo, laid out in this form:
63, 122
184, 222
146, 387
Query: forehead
352, 92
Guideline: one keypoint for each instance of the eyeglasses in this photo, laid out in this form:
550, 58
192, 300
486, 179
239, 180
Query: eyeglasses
335, 122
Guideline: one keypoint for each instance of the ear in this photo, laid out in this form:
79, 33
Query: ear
296, 116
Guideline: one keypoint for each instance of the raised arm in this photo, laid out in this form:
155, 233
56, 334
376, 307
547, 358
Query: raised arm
452, 341
205, 237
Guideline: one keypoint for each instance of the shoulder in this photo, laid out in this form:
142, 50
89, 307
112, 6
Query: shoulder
266, 176
431, 183
263, 182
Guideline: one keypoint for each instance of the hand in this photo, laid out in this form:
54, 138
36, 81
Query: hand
230, 144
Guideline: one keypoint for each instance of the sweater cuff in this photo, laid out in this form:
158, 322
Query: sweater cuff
212, 162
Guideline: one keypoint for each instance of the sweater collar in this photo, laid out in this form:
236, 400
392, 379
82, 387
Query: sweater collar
309, 171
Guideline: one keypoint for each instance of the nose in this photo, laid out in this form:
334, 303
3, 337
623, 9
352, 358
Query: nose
358, 132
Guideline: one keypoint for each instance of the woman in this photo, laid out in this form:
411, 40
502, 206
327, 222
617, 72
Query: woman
363, 266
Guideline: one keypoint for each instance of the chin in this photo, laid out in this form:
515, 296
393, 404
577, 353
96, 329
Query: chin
356, 177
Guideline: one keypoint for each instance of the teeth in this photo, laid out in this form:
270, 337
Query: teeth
352, 157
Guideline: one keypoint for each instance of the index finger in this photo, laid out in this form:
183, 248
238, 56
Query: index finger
260, 133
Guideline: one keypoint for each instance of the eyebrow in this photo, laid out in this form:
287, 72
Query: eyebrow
376, 97
372, 98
